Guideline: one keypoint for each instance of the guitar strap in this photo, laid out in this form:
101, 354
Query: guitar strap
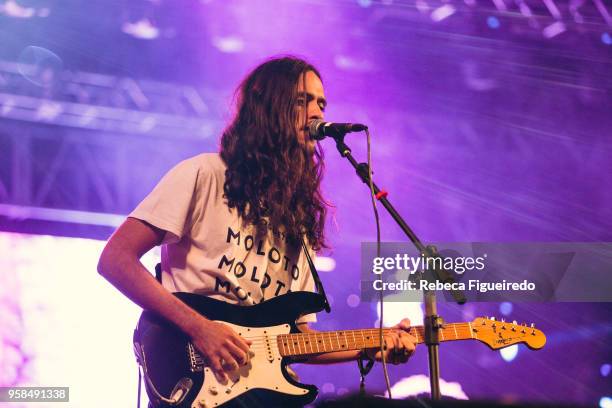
158, 273
315, 276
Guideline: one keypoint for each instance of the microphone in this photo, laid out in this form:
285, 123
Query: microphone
318, 130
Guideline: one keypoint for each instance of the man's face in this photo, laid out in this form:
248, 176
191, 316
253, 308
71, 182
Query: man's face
310, 93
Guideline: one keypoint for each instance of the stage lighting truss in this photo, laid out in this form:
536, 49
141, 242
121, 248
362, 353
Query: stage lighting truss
102, 102
81, 148
549, 18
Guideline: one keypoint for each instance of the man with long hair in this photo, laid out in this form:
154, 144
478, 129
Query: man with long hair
231, 224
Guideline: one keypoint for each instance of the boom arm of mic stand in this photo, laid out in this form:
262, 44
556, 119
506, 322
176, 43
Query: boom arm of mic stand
432, 321
428, 251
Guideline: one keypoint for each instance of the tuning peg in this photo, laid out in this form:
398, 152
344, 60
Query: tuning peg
514, 322
532, 326
493, 318
503, 320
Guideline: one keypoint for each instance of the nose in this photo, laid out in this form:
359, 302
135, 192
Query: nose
315, 113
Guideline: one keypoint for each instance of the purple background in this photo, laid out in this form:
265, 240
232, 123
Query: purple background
480, 132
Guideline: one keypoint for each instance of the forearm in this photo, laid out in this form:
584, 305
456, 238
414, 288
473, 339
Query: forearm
129, 276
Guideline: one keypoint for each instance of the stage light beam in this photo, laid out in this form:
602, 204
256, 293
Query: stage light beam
509, 353
442, 12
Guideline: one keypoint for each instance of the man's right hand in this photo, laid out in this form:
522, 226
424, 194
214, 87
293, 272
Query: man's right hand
221, 347
120, 264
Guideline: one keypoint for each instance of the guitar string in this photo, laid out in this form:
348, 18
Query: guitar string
448, 329
344, 336
305, 340
419, 330
311, 341
462, 329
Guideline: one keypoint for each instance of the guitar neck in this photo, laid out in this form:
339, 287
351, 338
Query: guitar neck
296, 344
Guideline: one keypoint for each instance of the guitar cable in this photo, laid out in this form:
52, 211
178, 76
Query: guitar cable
178, 394
377, 219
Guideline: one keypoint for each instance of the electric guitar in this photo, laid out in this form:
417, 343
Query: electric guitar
176, 376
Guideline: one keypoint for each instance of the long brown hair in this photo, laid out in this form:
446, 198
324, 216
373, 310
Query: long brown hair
270, 175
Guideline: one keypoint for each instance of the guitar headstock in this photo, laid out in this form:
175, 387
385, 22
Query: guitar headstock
499, 334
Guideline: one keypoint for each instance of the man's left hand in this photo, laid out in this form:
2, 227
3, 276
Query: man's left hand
399, 344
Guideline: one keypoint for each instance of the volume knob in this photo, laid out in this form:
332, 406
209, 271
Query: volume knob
213, 390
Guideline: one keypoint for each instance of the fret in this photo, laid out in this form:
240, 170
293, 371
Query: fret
313, 342
322, 339
289, 344
337, 339
441, 333
471, 331
297, 344
309, 337
281, 347
285, 341
368, 339
455, 328
317, 336
307, 343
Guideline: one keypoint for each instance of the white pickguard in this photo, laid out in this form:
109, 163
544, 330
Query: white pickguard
263, 370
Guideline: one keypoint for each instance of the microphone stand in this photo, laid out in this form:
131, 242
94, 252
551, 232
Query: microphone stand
432, 321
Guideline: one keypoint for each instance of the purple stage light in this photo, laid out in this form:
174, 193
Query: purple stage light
416, 385
353, 300
554, 29
442, 12
325, 263
142, 29
493, 22
229, 44
364, 3
505, 308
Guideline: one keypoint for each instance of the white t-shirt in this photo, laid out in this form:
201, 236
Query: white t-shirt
207, 250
